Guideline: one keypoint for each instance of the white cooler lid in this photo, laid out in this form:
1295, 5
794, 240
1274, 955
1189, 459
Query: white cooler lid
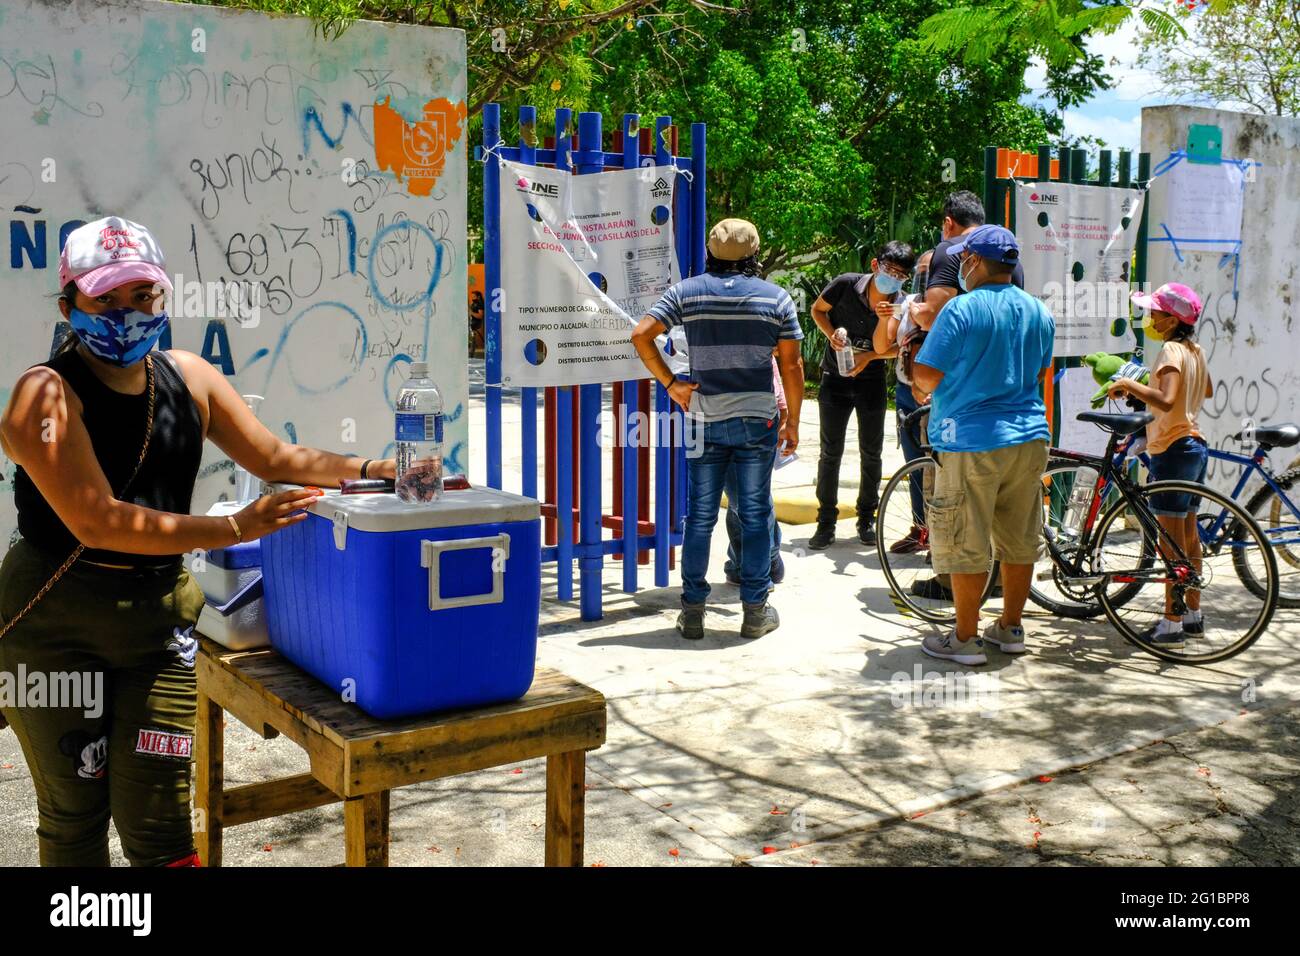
385, 511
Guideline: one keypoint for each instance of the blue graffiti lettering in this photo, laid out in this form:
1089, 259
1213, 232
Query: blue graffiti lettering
434, 276
20, 241
310, 118
216, 336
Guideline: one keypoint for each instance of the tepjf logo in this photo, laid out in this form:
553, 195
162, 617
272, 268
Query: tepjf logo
1044, 199
533, 187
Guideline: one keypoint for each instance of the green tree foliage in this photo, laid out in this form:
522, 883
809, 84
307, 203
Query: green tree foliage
1053, 29
832, 124
1246, 54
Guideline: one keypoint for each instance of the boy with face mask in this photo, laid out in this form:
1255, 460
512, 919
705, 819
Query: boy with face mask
856, 303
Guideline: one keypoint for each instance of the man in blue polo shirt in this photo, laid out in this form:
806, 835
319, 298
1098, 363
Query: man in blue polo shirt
983, 363
734, 322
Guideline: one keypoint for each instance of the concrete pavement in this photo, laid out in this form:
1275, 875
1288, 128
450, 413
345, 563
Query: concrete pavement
724, 750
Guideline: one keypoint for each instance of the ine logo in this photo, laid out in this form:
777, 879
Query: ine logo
1044, 199
533, 187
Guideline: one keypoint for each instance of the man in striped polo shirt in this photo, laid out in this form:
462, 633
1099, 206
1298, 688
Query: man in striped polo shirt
734, 322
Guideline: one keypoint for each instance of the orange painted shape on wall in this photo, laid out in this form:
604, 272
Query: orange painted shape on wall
417, 152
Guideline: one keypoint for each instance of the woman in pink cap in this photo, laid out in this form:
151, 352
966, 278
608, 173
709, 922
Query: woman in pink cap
107, 435
1179, 385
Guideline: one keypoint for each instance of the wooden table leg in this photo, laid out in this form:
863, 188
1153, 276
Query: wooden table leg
566, 776
365, 829
209, 782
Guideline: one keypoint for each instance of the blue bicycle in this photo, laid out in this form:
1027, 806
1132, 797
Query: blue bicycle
1074, 491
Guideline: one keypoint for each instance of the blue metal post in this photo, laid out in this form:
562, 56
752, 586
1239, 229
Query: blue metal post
563, 424
492, 280
592, 560
663, 451
528, 396
699, 168
683, 213
631, 402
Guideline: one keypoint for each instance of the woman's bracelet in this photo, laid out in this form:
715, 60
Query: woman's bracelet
239, 535
364, 465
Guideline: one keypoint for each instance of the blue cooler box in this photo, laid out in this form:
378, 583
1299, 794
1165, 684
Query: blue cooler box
409, 608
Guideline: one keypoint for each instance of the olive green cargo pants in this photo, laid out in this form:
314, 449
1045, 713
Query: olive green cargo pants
98, 683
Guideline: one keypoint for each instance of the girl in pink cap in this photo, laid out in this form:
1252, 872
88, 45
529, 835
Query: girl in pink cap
107, 435
1179, 385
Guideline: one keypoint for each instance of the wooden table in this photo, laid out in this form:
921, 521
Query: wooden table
358, 760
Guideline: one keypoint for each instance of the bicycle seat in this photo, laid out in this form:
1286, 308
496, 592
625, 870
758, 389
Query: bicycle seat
1120, 424
1272, 436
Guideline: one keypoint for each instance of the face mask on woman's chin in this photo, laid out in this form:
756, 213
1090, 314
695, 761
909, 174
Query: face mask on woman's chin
120, 337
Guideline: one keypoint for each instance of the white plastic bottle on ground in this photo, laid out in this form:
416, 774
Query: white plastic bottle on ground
419, 437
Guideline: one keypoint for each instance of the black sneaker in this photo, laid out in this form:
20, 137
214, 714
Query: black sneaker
1172, 640
1194, 628
867, 535
760, 619
731, 576
822, 538
690, 622
930, 589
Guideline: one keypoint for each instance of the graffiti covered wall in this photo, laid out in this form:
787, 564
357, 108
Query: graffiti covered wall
317, 186
1249, 327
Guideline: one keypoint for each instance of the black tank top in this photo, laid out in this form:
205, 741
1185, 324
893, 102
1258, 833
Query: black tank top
116, 425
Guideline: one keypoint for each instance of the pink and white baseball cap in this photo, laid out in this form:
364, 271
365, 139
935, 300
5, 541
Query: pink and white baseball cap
106, 253
1174, 298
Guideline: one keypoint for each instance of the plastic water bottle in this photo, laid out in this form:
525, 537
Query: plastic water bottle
419, 437
844, 357
1080, 505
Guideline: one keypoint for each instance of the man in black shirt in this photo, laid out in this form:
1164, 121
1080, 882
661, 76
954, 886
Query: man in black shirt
962, 213
855, 302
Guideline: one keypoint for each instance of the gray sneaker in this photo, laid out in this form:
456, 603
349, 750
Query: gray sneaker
1009, 640
690, 622
946, 647
760, 619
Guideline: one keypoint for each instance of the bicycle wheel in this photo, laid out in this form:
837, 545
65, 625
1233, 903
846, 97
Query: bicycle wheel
1233, 614
1066, 483
917, 590
1277, 515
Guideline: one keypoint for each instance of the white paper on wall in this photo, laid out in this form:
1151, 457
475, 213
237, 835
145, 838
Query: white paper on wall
1203, 206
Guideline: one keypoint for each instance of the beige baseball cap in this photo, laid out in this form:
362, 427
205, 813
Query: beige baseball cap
733, 239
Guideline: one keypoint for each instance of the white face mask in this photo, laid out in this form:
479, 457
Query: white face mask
963, 278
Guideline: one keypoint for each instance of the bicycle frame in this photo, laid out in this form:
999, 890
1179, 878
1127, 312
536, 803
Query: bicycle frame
1257, 463
1111, 474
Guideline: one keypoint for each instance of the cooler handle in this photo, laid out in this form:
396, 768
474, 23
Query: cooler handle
245, 596
431, 551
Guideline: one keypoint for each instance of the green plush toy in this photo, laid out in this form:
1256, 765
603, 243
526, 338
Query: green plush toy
1106, 368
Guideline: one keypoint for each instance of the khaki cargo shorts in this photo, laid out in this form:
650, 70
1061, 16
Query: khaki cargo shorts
987, 498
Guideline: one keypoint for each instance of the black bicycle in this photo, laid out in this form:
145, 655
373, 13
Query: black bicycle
903, 537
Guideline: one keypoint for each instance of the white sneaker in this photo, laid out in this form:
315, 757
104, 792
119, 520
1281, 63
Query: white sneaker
947, 647
1009, 640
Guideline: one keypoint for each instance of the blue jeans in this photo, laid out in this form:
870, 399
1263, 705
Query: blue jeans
905, 404
732, 566
748, 445
1187, 459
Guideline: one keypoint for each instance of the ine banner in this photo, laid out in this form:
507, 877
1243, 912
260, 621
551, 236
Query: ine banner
582, 259
1077, 245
